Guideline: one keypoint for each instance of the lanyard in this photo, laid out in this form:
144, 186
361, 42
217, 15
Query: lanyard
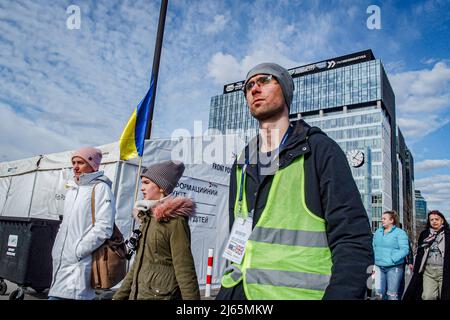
241, 187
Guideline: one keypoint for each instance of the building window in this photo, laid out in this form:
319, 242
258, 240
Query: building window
377, 199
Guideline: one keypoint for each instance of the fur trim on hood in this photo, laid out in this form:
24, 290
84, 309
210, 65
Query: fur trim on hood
173, 207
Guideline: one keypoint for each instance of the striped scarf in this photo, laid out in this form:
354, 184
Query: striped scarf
428, 241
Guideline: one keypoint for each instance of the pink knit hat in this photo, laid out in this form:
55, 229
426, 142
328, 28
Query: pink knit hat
93, 156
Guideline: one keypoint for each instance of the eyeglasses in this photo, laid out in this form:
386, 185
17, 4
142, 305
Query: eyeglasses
261, 81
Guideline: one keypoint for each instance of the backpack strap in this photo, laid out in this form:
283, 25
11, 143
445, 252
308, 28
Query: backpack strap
93, 203
116, 232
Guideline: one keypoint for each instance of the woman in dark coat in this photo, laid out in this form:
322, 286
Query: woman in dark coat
431, 274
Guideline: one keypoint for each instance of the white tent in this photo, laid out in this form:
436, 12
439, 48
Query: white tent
34, 187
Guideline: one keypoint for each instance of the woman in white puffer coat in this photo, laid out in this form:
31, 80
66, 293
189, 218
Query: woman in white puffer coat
77, 238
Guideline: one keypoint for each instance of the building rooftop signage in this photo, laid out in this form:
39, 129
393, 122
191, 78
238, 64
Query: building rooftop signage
334, 63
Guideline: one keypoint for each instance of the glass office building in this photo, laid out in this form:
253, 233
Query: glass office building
365, 129
317, 87
421, 211
349, 98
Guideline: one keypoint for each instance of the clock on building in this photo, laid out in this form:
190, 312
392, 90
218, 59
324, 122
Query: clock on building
355, 158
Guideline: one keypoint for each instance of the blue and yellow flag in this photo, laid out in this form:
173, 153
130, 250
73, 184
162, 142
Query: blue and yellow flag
132, 139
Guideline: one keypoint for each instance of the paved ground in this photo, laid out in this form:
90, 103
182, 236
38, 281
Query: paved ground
30, 294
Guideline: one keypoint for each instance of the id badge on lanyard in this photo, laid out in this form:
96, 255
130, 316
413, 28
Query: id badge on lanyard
240, 232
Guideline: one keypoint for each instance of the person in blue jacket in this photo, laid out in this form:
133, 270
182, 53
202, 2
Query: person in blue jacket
390, 245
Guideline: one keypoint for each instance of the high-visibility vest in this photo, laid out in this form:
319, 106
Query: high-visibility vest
287, 255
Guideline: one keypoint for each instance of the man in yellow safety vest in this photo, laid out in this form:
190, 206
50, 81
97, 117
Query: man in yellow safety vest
299, 229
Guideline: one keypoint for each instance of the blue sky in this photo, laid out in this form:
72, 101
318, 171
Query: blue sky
61, 89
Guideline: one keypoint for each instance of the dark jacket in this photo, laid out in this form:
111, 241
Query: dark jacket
163, 268
332, 194
415, 287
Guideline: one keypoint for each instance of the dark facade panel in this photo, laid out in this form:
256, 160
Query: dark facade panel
387, 94
401, 146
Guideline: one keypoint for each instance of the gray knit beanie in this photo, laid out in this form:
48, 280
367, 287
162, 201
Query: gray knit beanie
283, 76
165, 174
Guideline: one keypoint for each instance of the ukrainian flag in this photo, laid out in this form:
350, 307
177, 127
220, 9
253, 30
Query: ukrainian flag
132, 139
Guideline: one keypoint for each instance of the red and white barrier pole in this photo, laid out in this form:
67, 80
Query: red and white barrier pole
209, 272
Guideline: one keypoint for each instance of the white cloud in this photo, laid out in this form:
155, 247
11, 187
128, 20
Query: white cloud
421, 125
276, 39
436, 191
432, 164
225, 68
430, 61
393, 67
429, 181
422, 98
72, 84
217, 25
21, 138
424, 90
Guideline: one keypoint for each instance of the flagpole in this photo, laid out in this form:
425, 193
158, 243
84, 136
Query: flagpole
156, 60
136, 189
154, 78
